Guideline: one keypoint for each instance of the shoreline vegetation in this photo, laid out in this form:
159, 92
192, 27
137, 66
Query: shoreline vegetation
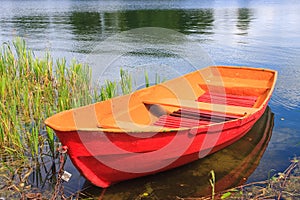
32, 89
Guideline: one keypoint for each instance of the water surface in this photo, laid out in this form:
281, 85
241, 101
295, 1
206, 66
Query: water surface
248, 33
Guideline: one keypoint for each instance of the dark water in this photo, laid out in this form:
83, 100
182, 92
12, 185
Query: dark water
252, 33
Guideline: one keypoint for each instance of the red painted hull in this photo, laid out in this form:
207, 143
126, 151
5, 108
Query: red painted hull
129, 136
92, 163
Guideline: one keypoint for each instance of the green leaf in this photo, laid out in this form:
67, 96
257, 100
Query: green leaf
226, 195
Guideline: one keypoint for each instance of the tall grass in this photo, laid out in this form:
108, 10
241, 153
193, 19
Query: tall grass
107, 91
126, 82
32, 89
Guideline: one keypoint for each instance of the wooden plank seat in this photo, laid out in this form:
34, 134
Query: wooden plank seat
193, 113
188, 118
228, 99
238, 111
203, 115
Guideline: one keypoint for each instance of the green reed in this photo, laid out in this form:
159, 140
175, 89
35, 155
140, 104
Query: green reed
32, 89
212, 182
108, 90
126, 81
147, 82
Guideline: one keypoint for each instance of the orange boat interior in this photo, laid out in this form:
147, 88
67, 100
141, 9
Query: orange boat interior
209, 95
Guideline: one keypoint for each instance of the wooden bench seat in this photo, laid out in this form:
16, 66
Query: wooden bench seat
228, 99
194, 113
203, 106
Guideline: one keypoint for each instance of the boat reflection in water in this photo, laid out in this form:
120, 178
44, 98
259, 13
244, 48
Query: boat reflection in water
232, 166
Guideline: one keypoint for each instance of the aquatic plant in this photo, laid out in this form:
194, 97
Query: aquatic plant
126, 81
147, 82
32, 89
108, 90
212, 182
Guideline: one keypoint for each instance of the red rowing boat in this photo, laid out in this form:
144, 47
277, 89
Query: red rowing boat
164, 126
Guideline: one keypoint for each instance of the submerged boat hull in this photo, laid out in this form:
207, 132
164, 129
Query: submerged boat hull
109, 143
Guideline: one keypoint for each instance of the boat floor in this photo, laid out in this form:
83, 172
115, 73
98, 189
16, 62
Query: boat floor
190, 117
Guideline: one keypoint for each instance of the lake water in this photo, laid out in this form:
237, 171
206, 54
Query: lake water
261, 33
